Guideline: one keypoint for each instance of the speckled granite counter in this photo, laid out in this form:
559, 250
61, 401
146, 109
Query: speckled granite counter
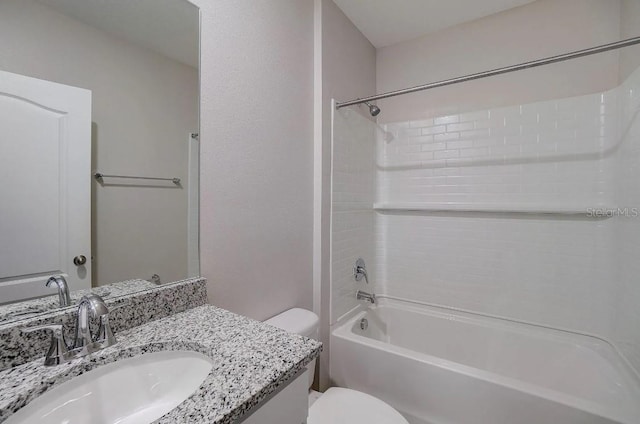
26, 309
251, 360
149, 304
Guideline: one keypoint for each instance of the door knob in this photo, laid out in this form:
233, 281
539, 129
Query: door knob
80, 260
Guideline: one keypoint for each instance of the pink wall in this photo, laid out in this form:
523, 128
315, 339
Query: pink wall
629, 27
539, 29
348, 70
257, 154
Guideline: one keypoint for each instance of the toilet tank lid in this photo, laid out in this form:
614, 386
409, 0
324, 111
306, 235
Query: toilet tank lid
296, 320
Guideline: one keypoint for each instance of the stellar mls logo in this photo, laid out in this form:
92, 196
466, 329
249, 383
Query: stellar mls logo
611, 212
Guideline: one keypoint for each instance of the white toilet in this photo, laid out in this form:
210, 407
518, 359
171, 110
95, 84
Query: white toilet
336, 405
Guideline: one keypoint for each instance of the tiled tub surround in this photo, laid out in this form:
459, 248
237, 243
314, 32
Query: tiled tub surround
487, 210
250, 359
351, 215
550, 156
627, 229
139, 307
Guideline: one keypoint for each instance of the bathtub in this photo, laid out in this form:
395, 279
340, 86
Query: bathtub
438, 366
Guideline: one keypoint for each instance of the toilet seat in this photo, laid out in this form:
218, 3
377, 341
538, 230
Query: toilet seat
346, 406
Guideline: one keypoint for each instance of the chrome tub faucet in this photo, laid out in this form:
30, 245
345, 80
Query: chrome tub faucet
369, 297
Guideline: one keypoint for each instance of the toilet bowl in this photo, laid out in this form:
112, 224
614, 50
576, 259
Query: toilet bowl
337, 405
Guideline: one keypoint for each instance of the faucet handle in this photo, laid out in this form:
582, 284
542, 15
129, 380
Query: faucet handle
58, 351
106, 337
360, 270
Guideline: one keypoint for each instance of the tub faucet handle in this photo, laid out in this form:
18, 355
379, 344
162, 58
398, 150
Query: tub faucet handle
360, 271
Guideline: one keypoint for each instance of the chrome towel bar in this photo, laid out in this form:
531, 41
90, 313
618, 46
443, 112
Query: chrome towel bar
99, 176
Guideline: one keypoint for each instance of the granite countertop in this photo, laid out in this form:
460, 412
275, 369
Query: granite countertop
17, 311
250, 361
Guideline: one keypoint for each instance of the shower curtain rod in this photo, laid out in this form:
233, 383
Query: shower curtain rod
498, 71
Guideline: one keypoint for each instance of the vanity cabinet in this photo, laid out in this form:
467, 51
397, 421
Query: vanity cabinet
249, 394
288, 406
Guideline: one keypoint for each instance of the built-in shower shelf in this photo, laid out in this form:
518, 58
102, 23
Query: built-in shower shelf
595, 211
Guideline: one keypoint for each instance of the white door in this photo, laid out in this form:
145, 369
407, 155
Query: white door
45, 185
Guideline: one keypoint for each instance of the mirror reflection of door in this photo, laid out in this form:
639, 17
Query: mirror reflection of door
45, 197
139, 60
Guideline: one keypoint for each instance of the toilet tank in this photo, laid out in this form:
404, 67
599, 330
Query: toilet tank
299, 321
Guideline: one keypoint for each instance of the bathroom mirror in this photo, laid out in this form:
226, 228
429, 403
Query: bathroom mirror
99, 149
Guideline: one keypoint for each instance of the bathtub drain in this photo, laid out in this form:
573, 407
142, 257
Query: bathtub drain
364, 324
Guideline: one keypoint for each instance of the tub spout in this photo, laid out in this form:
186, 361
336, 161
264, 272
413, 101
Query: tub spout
369, 297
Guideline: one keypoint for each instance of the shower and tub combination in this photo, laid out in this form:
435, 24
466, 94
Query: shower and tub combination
471, 311
440, 366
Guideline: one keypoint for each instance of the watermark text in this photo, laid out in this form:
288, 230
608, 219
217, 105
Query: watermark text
613, 212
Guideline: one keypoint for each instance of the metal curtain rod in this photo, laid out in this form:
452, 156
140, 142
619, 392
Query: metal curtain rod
498, 71
99, 176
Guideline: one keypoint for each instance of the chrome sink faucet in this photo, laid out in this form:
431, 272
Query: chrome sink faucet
85, 342
94, 305
369, 297
63, 289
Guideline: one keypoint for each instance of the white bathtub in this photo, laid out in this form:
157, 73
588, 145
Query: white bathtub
439, 366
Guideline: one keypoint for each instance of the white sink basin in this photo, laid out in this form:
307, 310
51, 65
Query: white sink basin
136, 390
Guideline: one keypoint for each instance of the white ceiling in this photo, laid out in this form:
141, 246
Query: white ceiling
387, 22
168, 27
